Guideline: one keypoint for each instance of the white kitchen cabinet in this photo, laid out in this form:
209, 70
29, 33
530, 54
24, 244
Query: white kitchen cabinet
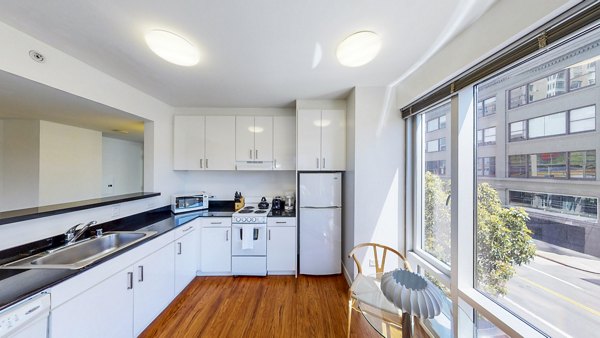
254, 138
333, 140
186, 253
188, 143
104, 310
281, 245
220, 143
153, 287
215, 246
321, 140
204, 143
284, 143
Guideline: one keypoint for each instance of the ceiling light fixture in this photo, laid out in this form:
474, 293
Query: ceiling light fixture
359, 49
172, 47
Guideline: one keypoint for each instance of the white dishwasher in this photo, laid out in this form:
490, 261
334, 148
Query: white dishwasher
28, 318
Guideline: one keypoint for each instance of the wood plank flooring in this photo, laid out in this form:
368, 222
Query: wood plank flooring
273, 306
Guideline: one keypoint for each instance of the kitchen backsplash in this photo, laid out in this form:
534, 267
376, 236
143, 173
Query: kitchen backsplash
224, 184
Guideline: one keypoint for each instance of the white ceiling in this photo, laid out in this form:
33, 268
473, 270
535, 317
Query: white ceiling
25, 99
258, 53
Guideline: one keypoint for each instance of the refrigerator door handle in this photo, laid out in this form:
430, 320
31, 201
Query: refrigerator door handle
331, 207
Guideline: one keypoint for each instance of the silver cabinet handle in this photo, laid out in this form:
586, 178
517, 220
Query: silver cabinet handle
129, 280
317, 163
282, 222
188, 229
216, 222
206, 162
250, 153
141, 273
269, 234
227, 236
323, 166
200, 163
256, 154
179, 248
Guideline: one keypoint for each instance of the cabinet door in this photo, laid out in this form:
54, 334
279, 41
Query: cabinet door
154, 287
185, 260
333, 140
309, 139
101, 311
284, 143
281, 249
215, 250
188, 143
244, 138
220, 143
263, 138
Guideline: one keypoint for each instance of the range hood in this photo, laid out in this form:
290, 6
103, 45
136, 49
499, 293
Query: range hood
254, 165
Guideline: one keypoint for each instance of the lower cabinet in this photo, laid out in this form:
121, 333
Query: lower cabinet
215, 251
153, 288
281, 250
104, 310
186, 249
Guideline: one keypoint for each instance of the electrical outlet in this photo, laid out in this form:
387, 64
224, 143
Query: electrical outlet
371, 263
116, 210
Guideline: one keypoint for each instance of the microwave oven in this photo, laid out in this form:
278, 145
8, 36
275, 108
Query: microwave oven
189, 202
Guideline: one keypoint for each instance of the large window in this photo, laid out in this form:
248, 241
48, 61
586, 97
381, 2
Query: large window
533, 234
434, 189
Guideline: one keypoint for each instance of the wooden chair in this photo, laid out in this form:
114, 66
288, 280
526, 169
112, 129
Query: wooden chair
365, 291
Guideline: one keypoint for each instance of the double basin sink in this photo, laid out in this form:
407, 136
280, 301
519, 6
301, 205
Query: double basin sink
82, 253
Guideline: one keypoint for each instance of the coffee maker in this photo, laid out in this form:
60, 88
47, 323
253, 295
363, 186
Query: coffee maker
278, 203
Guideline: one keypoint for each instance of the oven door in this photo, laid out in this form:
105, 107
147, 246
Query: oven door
259, 241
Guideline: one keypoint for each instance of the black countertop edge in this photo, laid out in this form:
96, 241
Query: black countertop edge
56, 209
275, 213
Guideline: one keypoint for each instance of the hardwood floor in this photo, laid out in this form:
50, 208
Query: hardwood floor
273, 306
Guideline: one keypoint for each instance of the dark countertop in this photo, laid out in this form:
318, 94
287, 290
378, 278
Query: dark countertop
55, 209
19, 284
283, 213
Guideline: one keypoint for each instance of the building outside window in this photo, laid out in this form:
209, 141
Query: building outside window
486, 107
436, 123
486, 166
552, 187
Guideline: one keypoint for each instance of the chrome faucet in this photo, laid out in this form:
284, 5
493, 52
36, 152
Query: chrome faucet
72, 234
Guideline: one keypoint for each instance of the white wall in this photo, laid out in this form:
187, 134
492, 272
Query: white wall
122, 166
223, 184
1, 162
378, 181
70, 163
21, 164
488, 34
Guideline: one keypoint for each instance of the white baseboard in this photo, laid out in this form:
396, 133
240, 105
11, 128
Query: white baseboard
347, 275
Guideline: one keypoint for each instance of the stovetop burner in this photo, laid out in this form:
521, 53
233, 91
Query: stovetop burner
260, 212
245, 211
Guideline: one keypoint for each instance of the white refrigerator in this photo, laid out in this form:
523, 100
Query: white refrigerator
320, 223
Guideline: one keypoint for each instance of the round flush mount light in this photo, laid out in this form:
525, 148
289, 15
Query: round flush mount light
172, 47
36, 56
359, 49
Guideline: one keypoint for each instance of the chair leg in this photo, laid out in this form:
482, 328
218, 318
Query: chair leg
350, 306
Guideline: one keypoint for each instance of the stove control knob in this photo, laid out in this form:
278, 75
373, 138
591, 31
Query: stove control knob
237, 219
253, 219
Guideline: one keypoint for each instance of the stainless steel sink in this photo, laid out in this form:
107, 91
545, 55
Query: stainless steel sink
80, 254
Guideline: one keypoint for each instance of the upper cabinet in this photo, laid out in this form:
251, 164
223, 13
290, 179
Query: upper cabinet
254, 138
321, 139
188, 143
204, 143
284, 143
220, 143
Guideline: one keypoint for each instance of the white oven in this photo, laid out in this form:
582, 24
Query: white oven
249, 242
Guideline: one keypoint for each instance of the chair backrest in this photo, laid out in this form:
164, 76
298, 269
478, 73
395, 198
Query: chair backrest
378, 266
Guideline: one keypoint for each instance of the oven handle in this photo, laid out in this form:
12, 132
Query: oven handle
255, 226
